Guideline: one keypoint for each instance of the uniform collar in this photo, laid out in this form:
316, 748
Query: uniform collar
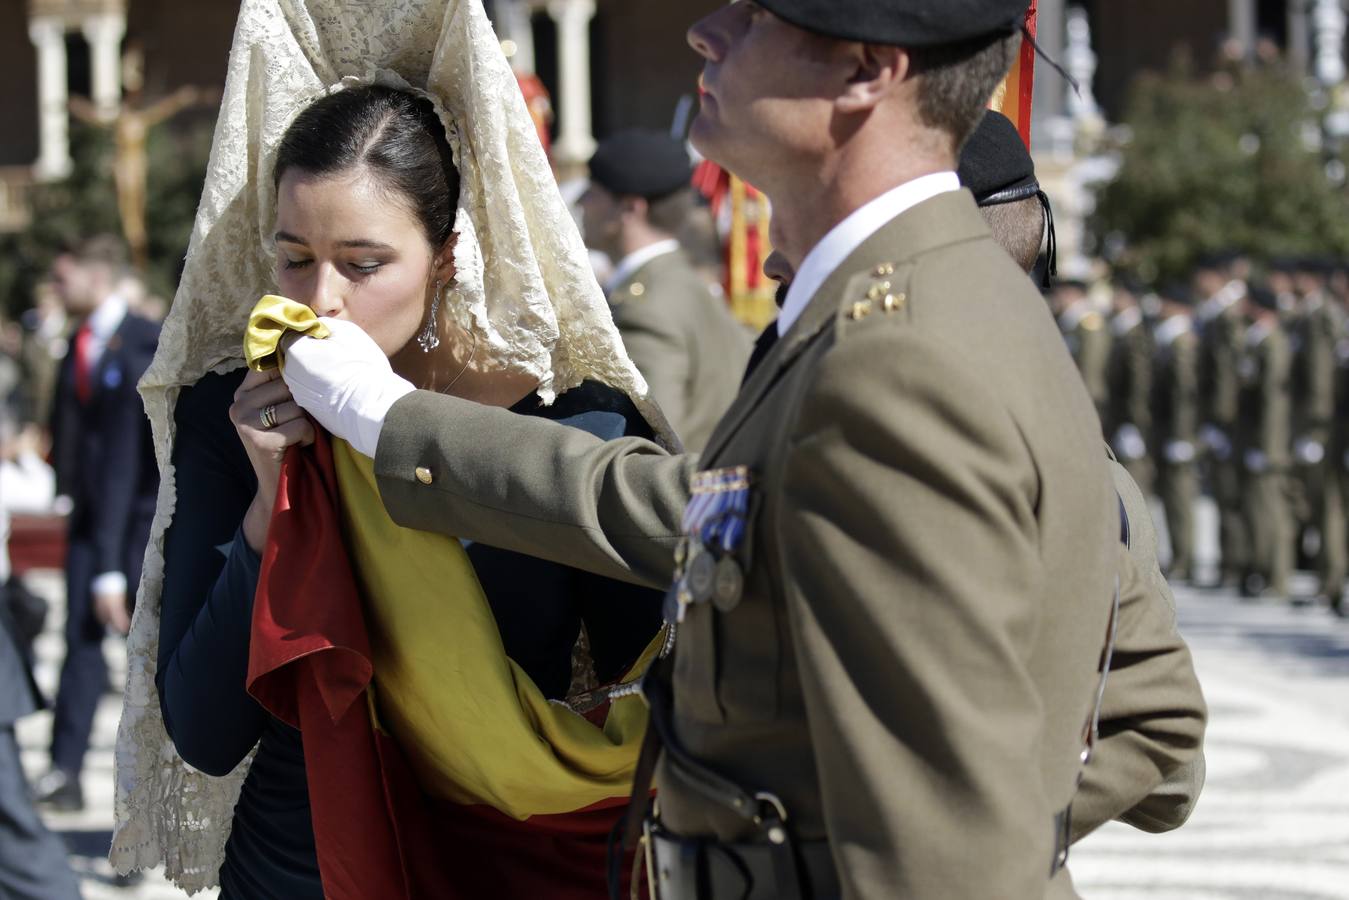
1256, 334
851, 233
1172, 328
631, 264
1074, 314
1127, 320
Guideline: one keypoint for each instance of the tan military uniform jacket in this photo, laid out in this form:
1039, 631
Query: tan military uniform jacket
1220, 357
933, 548
1315, 336
1265, 421
684, 341
1129, 381
1175, 394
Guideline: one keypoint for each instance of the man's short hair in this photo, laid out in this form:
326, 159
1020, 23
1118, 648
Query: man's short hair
958, 80
1019, 228
669, 213
107, 249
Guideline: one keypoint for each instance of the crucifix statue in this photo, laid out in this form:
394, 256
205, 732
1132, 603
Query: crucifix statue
130, 124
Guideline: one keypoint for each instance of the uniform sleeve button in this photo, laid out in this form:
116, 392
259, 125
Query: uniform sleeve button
424, 475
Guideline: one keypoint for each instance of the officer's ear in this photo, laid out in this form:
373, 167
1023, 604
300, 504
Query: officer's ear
633, 209
878, 70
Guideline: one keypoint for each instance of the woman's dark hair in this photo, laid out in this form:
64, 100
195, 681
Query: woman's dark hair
394, 134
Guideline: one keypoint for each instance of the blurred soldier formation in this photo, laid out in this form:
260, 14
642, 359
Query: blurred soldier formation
1233, 383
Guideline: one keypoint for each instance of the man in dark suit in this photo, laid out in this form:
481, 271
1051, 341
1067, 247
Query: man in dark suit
105, 463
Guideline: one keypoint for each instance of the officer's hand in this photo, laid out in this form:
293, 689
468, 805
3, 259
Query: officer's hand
268, 422
345, 382
110, 609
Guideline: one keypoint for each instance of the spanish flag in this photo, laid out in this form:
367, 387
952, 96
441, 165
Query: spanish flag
436, 767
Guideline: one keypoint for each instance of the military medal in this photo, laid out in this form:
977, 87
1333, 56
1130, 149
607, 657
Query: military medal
701, 578
729, 584
714, 525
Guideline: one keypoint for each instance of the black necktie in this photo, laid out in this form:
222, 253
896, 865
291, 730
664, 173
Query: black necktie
761, 348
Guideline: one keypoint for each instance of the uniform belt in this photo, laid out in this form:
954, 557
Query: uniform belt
704, 869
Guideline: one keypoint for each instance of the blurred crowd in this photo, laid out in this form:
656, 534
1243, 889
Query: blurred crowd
78, 483
1232, 383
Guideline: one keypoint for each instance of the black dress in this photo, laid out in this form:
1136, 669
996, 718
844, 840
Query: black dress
210, 577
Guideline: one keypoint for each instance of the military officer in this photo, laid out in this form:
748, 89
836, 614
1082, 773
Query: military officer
857, 707
1222, 327
1264, 425
1084, 330
1151, 675
1129, 384
1175, 409
1316, 326
683, 339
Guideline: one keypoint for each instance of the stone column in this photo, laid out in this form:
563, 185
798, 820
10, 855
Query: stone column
1050, 90
1080, 61
512, 24
104, 32
575, 142
1329, 20
49, 37
1241, 22
1299, 35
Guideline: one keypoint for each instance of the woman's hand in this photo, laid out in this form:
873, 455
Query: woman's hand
268, 422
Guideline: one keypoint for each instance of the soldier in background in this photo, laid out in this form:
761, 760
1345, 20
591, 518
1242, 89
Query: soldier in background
1315, 329
1088, 340
682, 338
1264, 423
1175, 410
1222, 328
1129, 385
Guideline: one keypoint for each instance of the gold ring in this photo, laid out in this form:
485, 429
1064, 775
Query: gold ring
268, 416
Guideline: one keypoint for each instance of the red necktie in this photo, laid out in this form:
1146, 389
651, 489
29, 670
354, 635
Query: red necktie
83, 363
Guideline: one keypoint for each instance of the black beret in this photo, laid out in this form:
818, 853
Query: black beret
1177, 292
648, 164
995, 164
1217, 261
904, 23
1263, 297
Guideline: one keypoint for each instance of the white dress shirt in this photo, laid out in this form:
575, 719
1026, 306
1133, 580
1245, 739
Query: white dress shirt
845, 237
633, 262
103, 324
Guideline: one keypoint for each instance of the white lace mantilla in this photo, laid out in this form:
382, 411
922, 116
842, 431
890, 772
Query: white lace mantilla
524, 280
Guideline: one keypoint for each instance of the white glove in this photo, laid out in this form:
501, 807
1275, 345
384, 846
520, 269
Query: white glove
345, 382
1256, 461
1309, 452
1178, 452
1214, 438
1129, 443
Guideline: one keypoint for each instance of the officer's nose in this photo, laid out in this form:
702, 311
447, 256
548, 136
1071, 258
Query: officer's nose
706, 36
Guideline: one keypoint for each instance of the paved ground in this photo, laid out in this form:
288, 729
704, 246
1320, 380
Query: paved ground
1273, 823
